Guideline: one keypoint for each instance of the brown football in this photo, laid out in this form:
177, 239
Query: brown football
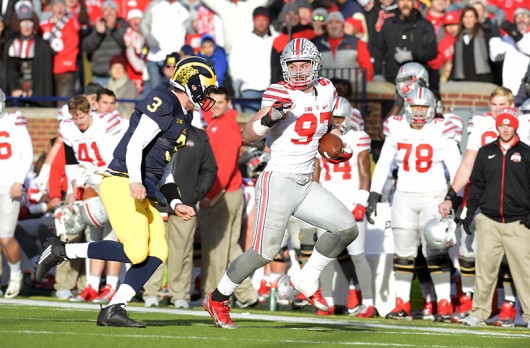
89, 192
330, 146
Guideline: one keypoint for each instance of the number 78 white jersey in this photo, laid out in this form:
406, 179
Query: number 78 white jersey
420, 155
294, 140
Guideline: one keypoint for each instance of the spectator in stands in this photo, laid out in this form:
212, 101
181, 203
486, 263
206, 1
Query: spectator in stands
255, 46
216, 55
105, 41
28, 59
122, 86
406, 37
343, 54
444, 59
236, 17
304, 12
318, 21
169, 68
471, 60
186, 51
376, 12
3, 39
135, 50
435, 15
14, 166
513, 49
164, 29
484, 10
222, 209
61, 31
523, 92
202, 21
194, 171
291, 29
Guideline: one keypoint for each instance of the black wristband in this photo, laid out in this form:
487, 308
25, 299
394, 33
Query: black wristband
170, 191
451, 194
268, 122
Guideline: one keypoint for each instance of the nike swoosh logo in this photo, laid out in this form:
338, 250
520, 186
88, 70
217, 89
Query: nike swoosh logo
491, 156
325, 107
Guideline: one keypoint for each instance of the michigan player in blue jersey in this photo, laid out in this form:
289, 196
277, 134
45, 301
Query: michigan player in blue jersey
129, 190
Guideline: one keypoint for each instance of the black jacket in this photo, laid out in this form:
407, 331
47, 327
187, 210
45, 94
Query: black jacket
414, 33
500, 184
195, 168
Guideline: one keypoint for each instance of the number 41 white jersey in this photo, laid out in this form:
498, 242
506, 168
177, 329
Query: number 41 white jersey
420, 155
294, 140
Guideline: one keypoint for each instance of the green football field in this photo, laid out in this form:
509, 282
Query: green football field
40, 322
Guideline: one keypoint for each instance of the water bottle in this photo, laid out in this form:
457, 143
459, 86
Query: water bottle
273, 297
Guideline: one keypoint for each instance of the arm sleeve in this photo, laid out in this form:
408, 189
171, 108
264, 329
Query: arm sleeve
207, 172
476, 187
388, 154
25, 154
145, 132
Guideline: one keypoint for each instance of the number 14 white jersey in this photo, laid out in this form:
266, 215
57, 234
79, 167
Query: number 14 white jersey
294, 140
420, 155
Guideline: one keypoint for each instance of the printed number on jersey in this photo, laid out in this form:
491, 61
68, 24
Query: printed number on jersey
488, 137
83, 152
306, 126
5, 147
421, 159
342, 167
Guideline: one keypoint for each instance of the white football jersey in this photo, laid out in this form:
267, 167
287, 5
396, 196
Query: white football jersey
420, 155
524, 128
96, 145
16, 149
458, 122
294, 140
482, 131
342, 179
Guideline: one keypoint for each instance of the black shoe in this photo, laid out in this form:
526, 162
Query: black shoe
116, 315
53, 254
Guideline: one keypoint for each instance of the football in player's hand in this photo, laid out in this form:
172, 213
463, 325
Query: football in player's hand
330, 146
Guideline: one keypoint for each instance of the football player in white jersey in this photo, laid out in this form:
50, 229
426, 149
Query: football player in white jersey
482, 131
16, 157
421, 146
349, 181
93, 138
294, 116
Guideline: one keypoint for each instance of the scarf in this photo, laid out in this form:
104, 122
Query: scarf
480, 55
116, 85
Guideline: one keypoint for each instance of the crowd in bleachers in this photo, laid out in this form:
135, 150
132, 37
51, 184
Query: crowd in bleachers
94, 58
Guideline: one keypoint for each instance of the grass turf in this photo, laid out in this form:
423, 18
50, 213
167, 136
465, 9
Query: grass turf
45, 323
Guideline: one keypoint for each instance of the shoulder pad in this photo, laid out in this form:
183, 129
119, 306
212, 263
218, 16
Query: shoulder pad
158, 103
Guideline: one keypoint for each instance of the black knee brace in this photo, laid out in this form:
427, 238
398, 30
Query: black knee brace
506, 274
467, 266
282, 256
439, 263
403, 264
343, 256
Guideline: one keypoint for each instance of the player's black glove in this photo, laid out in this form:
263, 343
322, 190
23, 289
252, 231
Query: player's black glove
511, 29
525, 221
373, 199
278, 111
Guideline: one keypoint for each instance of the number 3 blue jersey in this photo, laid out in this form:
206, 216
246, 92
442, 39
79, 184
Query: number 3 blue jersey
163, 107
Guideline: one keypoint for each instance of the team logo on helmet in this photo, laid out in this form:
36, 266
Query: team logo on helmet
439, 232
197, 78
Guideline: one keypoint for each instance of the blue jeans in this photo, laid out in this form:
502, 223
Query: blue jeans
251, 107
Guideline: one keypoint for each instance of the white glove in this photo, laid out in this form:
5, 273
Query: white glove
402, 55
84, 172
42, 179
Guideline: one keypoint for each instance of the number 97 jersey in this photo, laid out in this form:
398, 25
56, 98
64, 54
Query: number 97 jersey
294, 140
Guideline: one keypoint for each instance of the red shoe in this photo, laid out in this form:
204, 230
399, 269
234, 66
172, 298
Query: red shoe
427, 312
507, 315
331, 311
402, 311
264, 290
445, 311
353, 302
367, 312
300, 301
219, 311
462, 310
105, 295
316, 300
87, 295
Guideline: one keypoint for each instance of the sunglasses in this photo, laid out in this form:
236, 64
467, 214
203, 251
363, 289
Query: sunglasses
170, 66
319, 18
